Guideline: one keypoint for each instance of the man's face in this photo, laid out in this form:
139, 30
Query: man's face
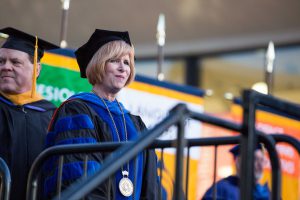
259, 161
15, 71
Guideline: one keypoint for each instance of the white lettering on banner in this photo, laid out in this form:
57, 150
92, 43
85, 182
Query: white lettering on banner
285, 150
154, 108
54, 93
267, 128
287, 166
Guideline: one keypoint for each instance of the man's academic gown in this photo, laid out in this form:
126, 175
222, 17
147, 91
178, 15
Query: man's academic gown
23, 131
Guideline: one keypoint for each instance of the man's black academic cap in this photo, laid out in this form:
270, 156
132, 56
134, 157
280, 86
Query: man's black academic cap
236, 149
99, 38
19, 40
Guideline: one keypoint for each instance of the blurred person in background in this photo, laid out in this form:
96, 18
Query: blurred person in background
228, 188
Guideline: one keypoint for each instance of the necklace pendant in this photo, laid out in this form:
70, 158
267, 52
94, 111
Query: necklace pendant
125, 185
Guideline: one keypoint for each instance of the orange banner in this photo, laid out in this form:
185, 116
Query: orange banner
272, 122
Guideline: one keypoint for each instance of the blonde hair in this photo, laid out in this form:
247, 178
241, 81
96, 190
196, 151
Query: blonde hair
96, 68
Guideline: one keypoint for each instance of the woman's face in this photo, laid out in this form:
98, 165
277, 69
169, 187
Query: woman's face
117, 71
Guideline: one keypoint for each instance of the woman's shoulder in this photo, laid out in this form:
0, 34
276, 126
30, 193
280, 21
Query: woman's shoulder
73, 114
73, 105
137, 120
72, 108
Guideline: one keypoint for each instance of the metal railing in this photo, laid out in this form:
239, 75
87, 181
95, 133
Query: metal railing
111, 146
177, 116
287, 139
251, 102
5, 180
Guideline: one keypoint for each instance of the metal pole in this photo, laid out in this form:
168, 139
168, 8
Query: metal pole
181, 144
187, 172
160, 60
248, 141
215, 173
161, 36
64, 23
270, 57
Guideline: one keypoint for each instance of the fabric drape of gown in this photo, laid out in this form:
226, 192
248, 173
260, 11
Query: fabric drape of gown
84, 119
22, 137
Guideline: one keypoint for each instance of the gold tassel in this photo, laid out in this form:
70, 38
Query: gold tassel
33, 88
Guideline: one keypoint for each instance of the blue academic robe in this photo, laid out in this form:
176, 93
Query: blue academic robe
228, 189
84, 119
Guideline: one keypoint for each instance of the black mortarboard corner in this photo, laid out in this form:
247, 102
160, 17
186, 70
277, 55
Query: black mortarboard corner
99, 38
236, 149
19, 40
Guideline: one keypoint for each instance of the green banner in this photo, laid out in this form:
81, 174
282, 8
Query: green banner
57, 84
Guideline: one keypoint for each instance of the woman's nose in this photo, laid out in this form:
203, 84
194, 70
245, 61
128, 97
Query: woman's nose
121, 67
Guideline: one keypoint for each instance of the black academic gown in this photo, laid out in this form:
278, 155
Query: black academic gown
22, 137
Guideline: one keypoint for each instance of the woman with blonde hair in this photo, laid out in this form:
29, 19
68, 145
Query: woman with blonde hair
107, 61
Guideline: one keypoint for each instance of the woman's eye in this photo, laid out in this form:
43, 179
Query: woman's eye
112, 60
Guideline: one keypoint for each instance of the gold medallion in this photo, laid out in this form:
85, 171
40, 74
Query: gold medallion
125, 185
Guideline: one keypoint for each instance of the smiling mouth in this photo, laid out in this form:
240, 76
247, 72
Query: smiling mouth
120, 77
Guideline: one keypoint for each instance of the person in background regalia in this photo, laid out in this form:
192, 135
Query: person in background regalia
228, 188
24, 114
107, 61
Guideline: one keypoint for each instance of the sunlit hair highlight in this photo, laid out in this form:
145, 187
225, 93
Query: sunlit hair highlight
96, 68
